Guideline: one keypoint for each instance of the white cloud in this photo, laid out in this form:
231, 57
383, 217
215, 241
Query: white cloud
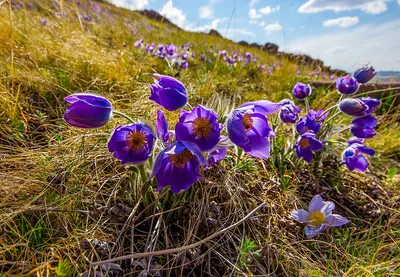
253, 14
342, 22
174, 14
368, 6
273, 27
348, 49
131, 4
262, 24
205, 12
398, 2
268, 9
253, 21
206, 28
233, 33
253, 2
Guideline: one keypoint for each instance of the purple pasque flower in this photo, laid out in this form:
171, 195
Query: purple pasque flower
318, 217
310, 122
184, 65
347, 85
359, 106
289, 113
178, 166
306, 145
168, 92
132, 143
202, 57
138, 43
185, 56
298, 72
199, 126
301, 91
364, 74
162, 129
217, 155
248, 128
87, 110
170, 49
43, 21
352, 156
363, 127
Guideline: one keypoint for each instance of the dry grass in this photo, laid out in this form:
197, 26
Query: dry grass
65, 202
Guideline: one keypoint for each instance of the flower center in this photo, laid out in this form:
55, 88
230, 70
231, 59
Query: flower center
317, 218
136, 140
247, 122
304, 143
202, 127
180, 160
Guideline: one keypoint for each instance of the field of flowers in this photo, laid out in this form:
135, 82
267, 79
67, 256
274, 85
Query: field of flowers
129, 147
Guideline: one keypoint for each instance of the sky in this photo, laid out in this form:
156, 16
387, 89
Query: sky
343, 33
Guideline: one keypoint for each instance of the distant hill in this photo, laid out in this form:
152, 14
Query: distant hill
387, 76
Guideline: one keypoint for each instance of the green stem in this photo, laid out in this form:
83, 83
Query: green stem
307, 105
143, 174
327, 110
121, 114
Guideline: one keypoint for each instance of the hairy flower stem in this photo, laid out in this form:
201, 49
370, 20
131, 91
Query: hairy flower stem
142, 173
121, 114
307, 105
327, 110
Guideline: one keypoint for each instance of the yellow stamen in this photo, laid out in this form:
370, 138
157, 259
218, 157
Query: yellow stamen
317, 218
136, 140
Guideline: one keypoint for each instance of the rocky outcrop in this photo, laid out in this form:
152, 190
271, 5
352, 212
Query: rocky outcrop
214, 33
157, 17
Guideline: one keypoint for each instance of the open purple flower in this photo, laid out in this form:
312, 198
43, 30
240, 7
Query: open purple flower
364, 74
289, 112
347, 85
363, 127
248, 128
310, 122
301, 91
170, 49
87, 110
178, 166
184, 65
318, 217
168, 92
359, 107
306, 145
199, 126
352, 156
132, 143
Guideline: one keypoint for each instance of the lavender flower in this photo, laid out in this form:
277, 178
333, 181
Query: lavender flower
184, 65
202, 57
132, 143
306, 145
162, 128
217, 155
178, 166
310, 122
363, 127
199, 126
364, 74
168, 93
170, 50
318, 217
347, 85
87, 110
359, 107
301, 91
289, 112
352, 156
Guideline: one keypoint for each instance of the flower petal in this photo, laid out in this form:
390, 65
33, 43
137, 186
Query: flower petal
301, 216
335, 220
316, 204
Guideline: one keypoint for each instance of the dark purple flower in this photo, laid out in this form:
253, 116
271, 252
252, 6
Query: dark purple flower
178, 166
310, 122
162, 128
217, 155
185, 56
289, 113
88, 18
301, 91
364, 74
132, 143
359, 107
318, 217
347, 85
363, 127
352, 156
306, 145
184, 65
248, 128
199, 126
87, 110
168, 92
202, 57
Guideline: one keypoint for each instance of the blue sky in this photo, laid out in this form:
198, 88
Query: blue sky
343, 33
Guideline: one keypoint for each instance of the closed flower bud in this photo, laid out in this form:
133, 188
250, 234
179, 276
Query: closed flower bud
364, 74
87, 110
359, 107
347, 85
168, 93
301, 91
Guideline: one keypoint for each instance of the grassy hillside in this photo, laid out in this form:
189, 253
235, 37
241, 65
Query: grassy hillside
66, 202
